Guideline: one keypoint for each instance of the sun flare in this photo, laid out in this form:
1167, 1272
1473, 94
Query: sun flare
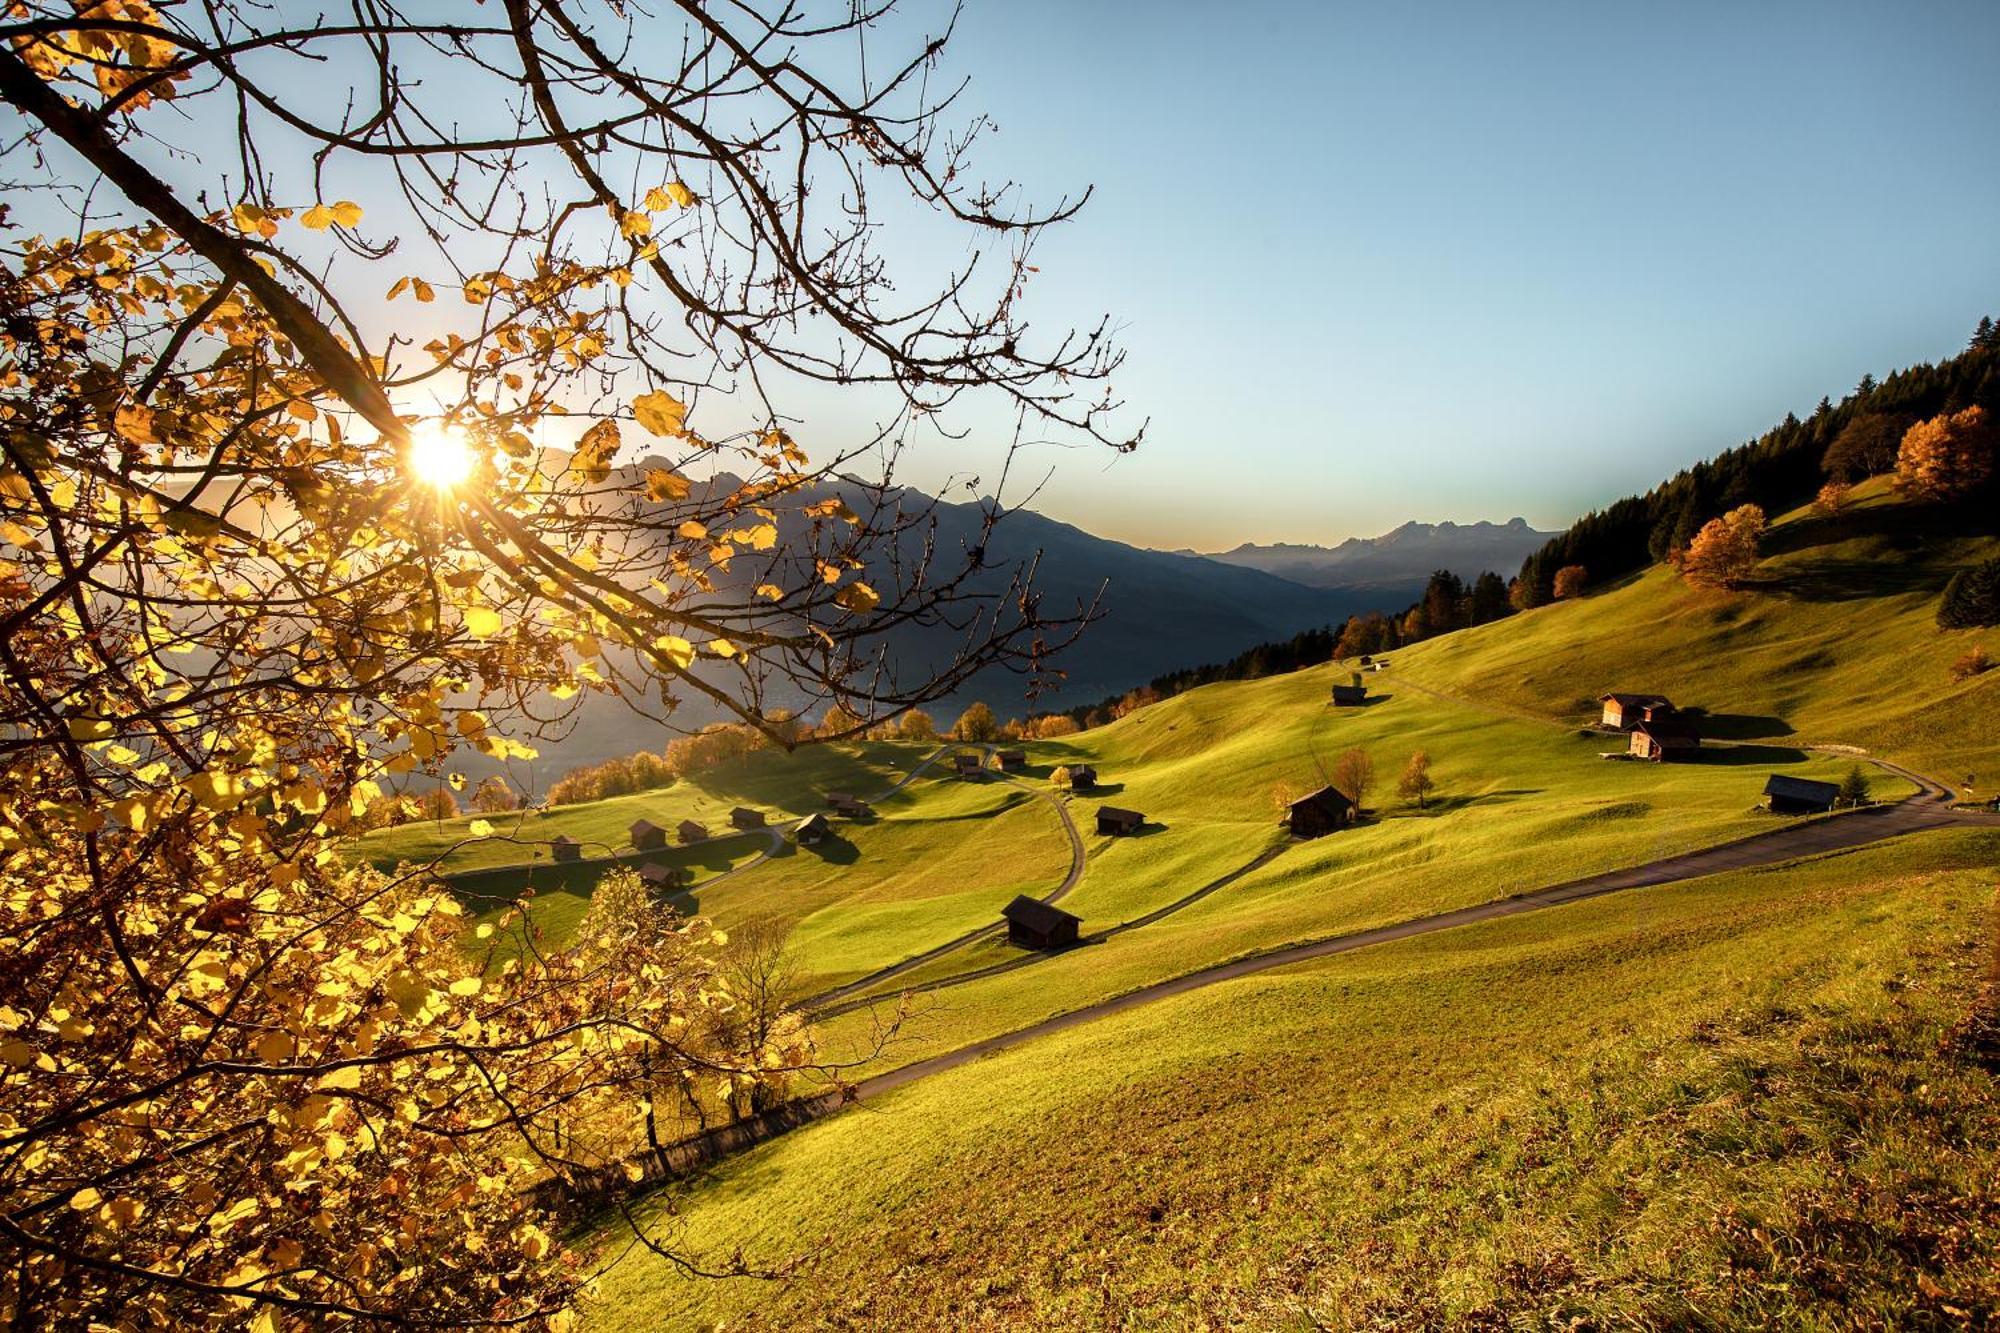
439, 457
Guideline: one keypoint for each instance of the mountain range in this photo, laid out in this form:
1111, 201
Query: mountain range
1398, 559
1159, 610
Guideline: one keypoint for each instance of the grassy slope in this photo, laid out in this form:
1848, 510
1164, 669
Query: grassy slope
782, 785
1520, 805
1720, 1101
1835, 642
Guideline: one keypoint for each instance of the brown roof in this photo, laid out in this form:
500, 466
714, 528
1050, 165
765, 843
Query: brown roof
1035, 914
1669, 731
1119, 815
1635, 700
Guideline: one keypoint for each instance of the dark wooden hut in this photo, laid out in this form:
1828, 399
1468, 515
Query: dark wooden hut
1012, 760
1324, 811
812, 830
656, 875
851, 807
647, 836
1799, 796
688, 831
562, 847
1624, 711
1082, 777
1037, 925
744, 817
967, 764
1665, 736
1349, 696
1117, 823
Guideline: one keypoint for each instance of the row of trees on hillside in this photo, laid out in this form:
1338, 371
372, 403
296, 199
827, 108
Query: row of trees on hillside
1864, 435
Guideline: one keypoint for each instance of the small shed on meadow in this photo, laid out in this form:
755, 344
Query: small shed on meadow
656, 875
1037, 925
1348, 696
1624, 711
744, 817
967, 764
1082, 777
1666, 736
812, 830
562, 847
647, 836
853, 807
836, 799
1117, 823
688, 831
1324, 811
1799, 796
1011, 760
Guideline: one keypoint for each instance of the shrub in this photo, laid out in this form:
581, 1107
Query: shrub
1972, 598
1973, 662
1570, 582
1833, 499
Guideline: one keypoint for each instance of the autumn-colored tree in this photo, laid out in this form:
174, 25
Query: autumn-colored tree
278, 538
1833, 499
838, 722
1947, 457
976, 723
495, 796
1865, 447
1354, 776
916, 725
435, 803
1570, 581
1416, 783
1725, 550
1053, 725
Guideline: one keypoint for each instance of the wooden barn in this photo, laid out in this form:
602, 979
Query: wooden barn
647, 836
1622, 712
744, 817
1669, 736
1037, 925
1799, 796
1325, 811
836, 799
1012, 760
851, 807
562, 847
967, 765
688, 831
1116, 823
1349, 696
654, 875
1082, 777
812, 830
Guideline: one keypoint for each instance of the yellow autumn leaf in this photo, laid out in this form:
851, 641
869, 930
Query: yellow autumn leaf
346, 212
682, 195
465, 986
87, 729
677, 650
317, 218
591, 459
690, 530
482, 622
480, 828
401, 285
723, 648
858, 597
663, 486
661, 413
635, 224
422, 289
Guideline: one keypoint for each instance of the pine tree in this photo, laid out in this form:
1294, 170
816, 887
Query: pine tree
1854, 787
1984, 336
1972, 598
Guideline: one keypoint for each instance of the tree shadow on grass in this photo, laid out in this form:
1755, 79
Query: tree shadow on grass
833, 850
1737, 726
1748, 756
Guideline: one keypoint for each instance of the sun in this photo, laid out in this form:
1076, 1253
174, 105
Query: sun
439, 456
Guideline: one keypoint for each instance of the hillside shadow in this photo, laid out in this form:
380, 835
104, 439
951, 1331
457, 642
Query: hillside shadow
833, 850
1737, 726
1100, 789
1368, 702
1903, 533
1748, 756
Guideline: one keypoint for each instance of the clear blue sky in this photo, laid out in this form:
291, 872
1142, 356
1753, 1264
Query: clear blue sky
1424, 260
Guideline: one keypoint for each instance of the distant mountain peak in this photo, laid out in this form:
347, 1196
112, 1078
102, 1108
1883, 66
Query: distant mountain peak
1406, 554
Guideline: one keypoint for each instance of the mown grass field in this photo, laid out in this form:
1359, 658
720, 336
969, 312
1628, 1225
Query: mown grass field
1835, 640
1747, 1101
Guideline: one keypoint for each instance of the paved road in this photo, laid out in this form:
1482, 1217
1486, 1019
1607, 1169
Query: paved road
1808, 838
842, 998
